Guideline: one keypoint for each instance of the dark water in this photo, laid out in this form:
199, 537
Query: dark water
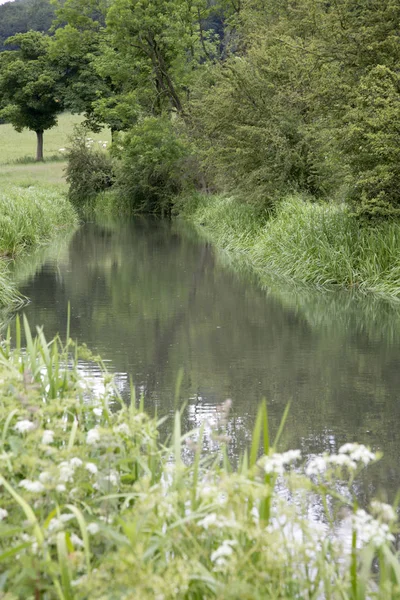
152, 299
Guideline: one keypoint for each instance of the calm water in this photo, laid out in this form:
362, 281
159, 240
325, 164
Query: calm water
152, 299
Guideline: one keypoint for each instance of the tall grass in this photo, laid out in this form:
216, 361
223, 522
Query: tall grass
94, 505
316, 244
31, 217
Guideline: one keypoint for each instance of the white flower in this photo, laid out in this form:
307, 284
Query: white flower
24, 426
276, 462
91, 467
316, 466
123, 428
76, 540
60, 488
32, 486
358, 453
3, 513
342, 460
93, 436
75, 462
384, 511
48, 437
66, 471
210, 519
112, 477
93, 528
45, 477
369, 530
98, 411
219, 555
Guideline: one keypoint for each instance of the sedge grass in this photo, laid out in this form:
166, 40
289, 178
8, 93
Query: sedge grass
93, 505
317, 244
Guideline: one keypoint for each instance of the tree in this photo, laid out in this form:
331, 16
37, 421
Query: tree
30, 86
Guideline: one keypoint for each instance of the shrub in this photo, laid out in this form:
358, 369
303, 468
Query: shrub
371, 140
89, 170
152, 165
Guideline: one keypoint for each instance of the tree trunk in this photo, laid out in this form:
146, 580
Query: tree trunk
39, 147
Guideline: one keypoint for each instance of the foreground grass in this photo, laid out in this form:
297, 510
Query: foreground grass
93, 505
311, 243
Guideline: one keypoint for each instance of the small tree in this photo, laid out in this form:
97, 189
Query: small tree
29, 86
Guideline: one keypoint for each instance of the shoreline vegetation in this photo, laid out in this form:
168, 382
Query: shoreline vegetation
29, 218
90, 495
308, 243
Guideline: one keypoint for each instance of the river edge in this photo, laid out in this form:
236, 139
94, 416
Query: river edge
306, 244
30, 217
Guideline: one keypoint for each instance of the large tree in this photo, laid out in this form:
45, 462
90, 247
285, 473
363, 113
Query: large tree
30, 86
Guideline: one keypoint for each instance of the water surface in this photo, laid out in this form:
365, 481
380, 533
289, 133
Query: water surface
152, 298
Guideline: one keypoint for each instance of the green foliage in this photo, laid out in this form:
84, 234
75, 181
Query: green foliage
319, 244
152, 165
371, 140
22, 16
96, 506
31, 217
29, 89
89, 170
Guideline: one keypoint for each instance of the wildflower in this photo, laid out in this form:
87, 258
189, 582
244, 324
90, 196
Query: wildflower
75, 462
276, 462
76, 540
3, 513
342, 460
66, 471
210, 519
220, 554
24, 426
32, 486
112, 477
93, 436
93, 528
98, 411
45, 477
60, 488
369, 530
316, 466
47, 437
91, 467
383, 511
358, 453
123, 428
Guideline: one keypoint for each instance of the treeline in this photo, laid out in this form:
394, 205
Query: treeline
256, 97
21, 16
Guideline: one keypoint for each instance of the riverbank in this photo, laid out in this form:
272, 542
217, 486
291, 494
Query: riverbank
29, 217
314, 244
90, 495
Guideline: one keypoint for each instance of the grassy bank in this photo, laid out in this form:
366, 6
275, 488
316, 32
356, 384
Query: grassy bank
94, 505
305, 242
29, 218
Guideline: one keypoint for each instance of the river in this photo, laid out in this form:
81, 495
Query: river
155, 300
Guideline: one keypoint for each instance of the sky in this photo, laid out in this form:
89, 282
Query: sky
4, 1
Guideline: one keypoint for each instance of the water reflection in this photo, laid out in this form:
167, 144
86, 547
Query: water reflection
151, 299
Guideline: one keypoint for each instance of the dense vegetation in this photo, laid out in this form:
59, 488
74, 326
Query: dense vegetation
29, 217
94, 504
22, 16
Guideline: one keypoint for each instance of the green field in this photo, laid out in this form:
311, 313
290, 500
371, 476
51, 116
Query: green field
16, 149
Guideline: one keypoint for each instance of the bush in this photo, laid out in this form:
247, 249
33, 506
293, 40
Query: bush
371, 140
152, 166
89, 170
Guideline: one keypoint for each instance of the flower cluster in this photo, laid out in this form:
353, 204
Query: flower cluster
276, 463
350, 456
